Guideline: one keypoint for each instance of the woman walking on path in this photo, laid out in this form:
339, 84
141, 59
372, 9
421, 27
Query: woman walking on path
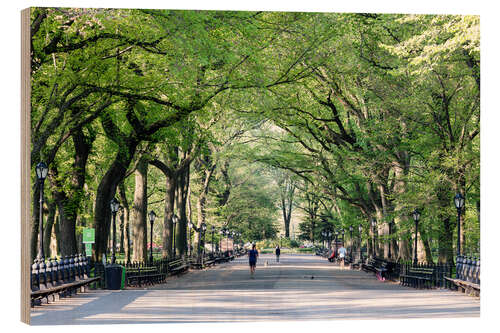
252, 260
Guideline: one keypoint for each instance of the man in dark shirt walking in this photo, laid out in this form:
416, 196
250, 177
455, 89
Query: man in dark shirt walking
252, 260
278, 252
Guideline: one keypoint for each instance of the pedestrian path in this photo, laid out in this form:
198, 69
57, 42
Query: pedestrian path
300, 287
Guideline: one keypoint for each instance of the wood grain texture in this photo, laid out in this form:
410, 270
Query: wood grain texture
25, 165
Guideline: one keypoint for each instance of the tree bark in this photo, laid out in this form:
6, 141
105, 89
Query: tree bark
139, 212
400, 171
35, 221
126, 220
105, 192
181, 199
47, 231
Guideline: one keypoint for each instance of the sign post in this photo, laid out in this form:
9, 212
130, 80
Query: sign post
88, 240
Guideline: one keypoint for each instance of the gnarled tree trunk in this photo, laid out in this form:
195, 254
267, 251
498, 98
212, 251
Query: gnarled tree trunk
139, 212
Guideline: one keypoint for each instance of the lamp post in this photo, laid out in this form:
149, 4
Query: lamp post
343, 239
459, 204
41, 173
350, 237
374, 226
416, 218
360, 229
152, 217
213, 231
114, 204
175, 219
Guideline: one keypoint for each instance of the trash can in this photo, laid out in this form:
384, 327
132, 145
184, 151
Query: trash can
114, 276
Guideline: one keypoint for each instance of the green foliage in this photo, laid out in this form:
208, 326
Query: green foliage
368, 115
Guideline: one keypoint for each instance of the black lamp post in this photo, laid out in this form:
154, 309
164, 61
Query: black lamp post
41, 173
459, 204
374, 226
416, 218
115, 205
152, 217
343, 241
213, 231
360, 229
350, 235
175, 219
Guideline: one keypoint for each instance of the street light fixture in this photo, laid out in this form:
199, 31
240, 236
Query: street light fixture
114, 205
41, 170
152, 217
175, 219
416, 218
459, 204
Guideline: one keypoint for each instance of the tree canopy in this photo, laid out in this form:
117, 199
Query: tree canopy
241, 119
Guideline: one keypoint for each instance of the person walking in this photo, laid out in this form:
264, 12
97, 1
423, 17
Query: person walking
252, 260
278, 252
342, 253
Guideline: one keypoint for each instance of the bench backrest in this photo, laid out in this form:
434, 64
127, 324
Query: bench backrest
53, 272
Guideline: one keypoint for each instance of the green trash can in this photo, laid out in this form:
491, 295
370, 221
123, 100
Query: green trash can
114, 276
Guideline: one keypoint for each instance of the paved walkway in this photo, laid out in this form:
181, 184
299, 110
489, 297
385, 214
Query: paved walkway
300, 287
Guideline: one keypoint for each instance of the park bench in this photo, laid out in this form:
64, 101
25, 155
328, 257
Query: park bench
418, 276
208, 260
144, 275
377, 266
467, 275
59, 278
177, 266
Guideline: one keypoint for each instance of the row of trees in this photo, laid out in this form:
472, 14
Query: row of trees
246, 115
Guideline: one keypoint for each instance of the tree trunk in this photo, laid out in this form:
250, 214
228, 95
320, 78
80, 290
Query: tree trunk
202, 199
400, 171
126, 220
105, 192
35, 221
57, 233
168, 227
139, 212
445, 231
181, 199
47, 231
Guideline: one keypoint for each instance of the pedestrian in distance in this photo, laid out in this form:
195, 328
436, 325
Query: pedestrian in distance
253, 254
278, 252
342, 253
